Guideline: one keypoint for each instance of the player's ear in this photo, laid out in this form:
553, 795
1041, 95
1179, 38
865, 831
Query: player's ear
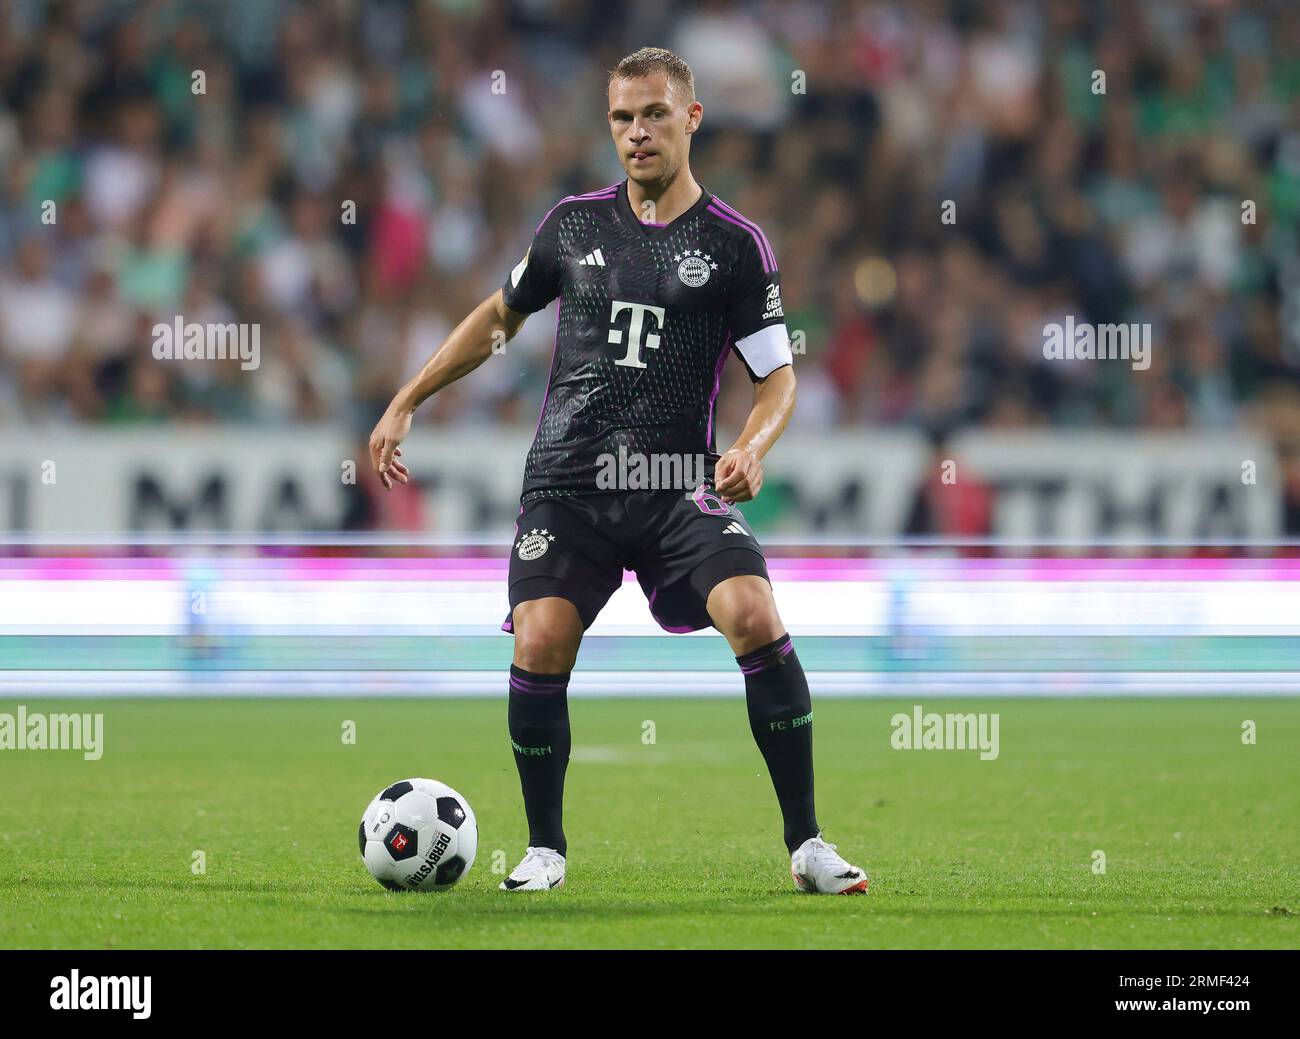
693, 116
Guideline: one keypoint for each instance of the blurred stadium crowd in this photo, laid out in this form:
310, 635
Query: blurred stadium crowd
843, 128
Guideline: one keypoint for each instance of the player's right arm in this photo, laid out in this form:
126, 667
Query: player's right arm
491, 323
533, 283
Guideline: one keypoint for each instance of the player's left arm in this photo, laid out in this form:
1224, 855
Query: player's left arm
757, 322
739, 472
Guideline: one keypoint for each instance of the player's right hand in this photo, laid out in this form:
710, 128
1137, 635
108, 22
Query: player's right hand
384, 450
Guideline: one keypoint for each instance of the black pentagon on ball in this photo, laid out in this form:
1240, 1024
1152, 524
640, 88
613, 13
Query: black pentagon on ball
393, 885
451, 812
401, 842
449, 870
396, 790
361, 838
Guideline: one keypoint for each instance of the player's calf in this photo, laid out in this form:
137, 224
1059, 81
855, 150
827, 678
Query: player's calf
780, 718
776, 697
547, 633
541, 741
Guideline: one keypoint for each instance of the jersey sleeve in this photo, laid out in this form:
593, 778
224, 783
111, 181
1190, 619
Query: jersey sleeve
757, 321
535, 280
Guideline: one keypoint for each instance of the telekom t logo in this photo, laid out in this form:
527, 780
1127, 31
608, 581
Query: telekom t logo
638, 335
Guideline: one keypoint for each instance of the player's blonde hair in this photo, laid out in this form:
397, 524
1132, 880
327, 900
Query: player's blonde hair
649, 60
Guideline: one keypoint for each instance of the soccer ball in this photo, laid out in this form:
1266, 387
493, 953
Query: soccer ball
418, 835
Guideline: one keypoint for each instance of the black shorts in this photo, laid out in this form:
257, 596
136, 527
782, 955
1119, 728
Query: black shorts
680, 547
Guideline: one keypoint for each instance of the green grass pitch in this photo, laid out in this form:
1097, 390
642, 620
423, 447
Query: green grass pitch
673, 843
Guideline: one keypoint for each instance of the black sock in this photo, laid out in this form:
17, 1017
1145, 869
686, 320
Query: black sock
539, 733
780, 717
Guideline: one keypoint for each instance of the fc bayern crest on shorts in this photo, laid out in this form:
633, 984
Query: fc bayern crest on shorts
694, 267
534, 544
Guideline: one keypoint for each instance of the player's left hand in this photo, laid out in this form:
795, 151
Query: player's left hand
738, 476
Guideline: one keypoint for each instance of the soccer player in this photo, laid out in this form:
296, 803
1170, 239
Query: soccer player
659, 282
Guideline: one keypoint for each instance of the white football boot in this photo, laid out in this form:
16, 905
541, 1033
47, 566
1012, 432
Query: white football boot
541, 870
818, 870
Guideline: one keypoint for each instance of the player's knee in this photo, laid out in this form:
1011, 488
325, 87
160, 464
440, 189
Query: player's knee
546, 639
542, 653
751, 621
755, 629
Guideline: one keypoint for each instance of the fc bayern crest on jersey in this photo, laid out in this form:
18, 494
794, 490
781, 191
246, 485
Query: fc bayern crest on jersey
694, 267
534, 544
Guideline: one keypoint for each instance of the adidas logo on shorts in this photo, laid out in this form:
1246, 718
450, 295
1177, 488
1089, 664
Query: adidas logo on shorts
734, 528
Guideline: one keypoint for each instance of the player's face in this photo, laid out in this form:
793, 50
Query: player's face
651, 126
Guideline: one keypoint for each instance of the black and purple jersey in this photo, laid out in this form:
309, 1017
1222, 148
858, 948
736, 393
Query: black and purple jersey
648, 315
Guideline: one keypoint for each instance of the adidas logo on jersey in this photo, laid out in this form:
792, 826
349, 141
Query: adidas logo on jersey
735, 528
592, 259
